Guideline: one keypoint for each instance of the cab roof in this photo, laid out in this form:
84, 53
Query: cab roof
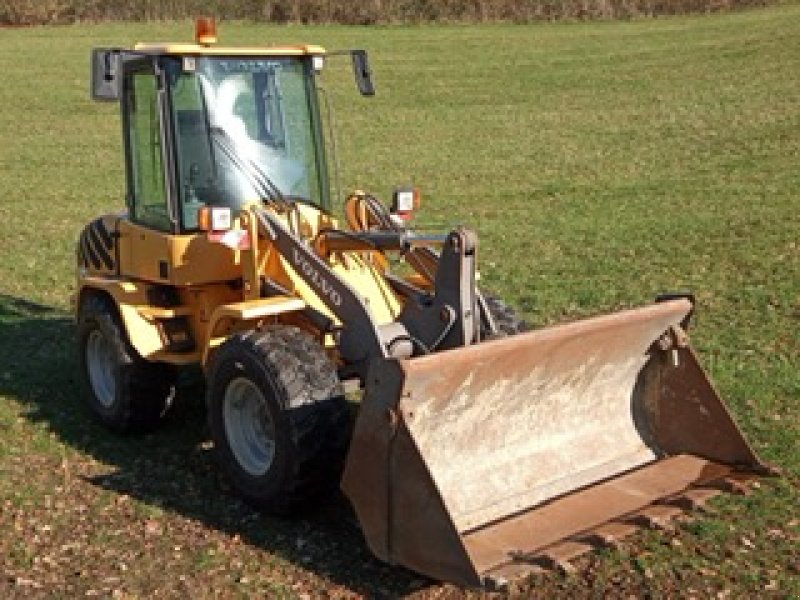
182, 49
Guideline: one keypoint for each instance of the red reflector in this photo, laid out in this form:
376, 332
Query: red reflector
235, 239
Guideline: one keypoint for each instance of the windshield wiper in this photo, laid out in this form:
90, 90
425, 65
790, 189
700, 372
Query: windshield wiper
261, 182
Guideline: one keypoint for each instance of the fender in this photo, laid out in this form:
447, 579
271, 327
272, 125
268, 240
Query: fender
143, 334
140, 319
249, 311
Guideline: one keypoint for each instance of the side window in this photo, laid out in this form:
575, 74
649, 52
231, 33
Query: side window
196, 166
149, 193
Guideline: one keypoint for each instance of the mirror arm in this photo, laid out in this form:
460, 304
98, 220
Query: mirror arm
361, 69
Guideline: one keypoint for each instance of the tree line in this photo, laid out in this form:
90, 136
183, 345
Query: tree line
365, 12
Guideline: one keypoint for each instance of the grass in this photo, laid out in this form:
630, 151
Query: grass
602, 164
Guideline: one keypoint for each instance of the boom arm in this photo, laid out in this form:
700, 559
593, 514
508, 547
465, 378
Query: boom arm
445, 320
360, 339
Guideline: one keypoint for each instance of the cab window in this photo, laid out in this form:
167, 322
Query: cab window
245, 130
148, 193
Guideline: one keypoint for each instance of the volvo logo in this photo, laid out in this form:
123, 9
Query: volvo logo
317, 280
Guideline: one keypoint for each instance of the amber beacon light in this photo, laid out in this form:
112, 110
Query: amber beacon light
205, 31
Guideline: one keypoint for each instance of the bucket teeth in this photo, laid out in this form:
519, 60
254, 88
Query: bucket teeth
609, 535
497, 580
558, 557
733, 485
661, 516
554, 558
658, 517
695, 500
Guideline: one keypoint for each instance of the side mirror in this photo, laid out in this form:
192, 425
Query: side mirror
362, 72
106, 74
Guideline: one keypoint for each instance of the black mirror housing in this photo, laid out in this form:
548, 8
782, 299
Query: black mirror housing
362, 72
106, 74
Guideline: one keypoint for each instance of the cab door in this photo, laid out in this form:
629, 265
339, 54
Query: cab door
151, 196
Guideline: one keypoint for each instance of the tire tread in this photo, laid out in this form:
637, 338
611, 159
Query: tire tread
304, 377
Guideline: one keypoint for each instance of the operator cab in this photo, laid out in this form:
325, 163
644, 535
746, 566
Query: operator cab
206, 126
245, 128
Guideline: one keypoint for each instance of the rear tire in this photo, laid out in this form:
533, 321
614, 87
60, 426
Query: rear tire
278, 418
124, 391
506, 319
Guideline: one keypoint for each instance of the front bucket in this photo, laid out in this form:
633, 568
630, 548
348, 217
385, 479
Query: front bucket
468, 464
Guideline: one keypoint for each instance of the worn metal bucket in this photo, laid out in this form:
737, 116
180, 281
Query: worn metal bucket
474, 464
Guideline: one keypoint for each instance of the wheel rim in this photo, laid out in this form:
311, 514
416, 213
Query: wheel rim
102, 368
249, 429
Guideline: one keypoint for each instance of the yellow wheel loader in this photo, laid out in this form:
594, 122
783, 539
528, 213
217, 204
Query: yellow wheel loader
479, 451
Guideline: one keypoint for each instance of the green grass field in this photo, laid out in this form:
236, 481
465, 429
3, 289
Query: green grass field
601, 163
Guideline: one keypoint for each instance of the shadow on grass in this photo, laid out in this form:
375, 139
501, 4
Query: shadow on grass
172, 468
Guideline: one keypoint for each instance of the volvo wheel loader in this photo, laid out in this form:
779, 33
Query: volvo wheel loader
479, 451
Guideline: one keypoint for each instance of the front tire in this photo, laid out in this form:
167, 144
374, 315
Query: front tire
278, 418
124, 391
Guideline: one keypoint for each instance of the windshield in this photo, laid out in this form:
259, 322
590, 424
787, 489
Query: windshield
245, 131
